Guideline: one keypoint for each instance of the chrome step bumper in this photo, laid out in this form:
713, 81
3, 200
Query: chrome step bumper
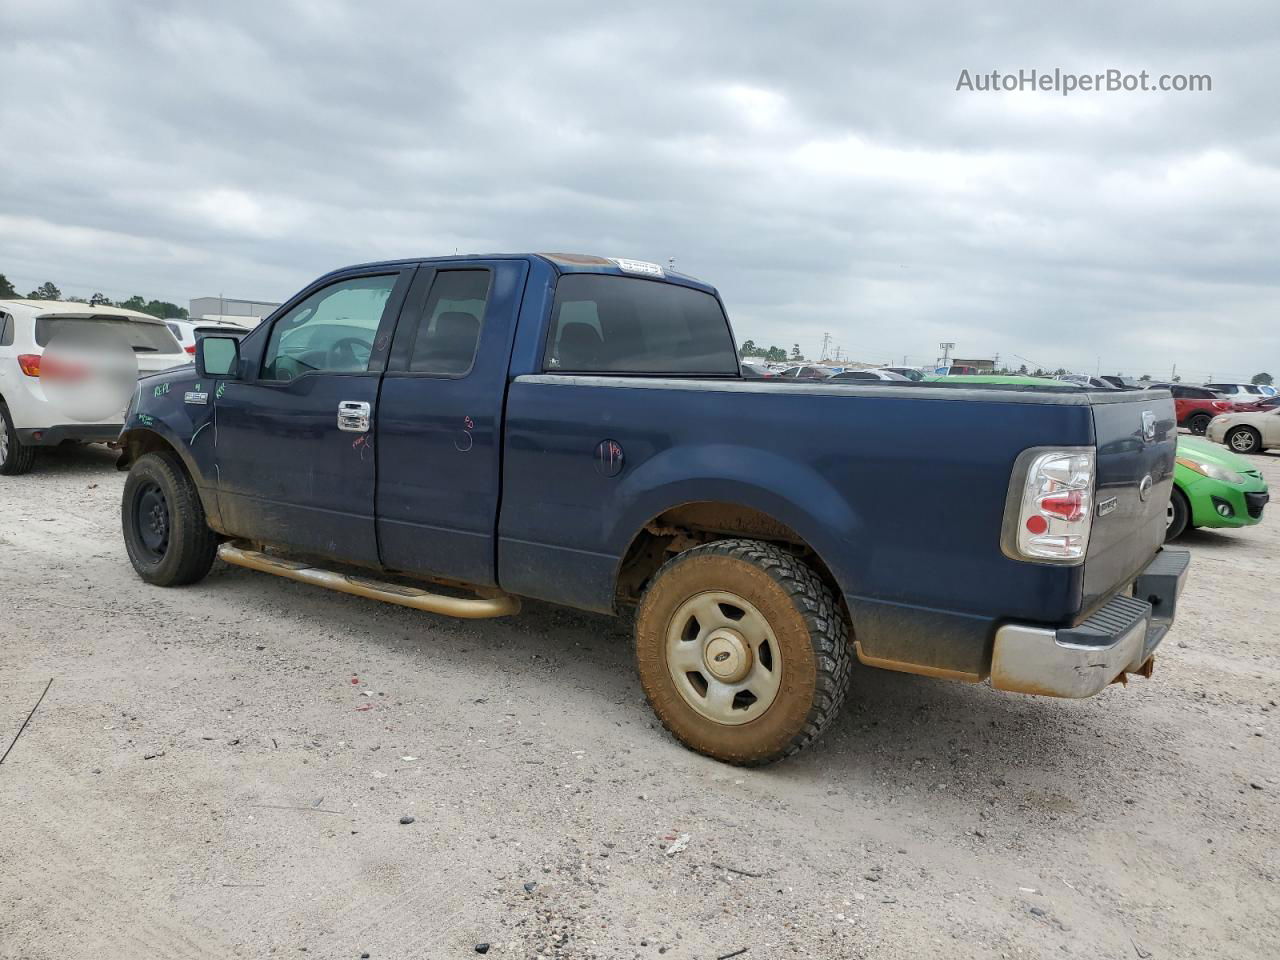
1118, 639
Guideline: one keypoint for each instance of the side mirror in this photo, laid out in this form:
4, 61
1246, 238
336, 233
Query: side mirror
218, 357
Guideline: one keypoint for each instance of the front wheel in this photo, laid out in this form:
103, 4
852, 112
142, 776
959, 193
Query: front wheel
1177, 515
1199, 423
1244, 440
165, 530
742, 651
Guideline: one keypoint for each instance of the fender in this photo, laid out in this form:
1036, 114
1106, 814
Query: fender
159, 434
726, 473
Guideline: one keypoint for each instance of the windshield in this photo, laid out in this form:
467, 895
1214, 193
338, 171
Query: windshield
142, 336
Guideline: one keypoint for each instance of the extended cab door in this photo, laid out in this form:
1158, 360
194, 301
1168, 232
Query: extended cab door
294, 437
439, 433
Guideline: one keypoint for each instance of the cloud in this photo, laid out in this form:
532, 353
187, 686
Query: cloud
815, 162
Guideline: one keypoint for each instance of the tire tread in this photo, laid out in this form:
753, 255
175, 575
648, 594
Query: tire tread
22, 457
190, 534
828, 633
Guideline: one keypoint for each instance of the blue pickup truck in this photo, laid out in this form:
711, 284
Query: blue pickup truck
455, 434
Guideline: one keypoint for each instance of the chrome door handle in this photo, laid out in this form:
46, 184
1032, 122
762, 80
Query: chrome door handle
353, 416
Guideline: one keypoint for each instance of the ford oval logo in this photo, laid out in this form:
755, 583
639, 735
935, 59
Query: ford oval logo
1144, 488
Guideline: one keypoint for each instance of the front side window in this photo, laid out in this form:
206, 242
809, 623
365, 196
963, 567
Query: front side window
449, 331
608, 324
330, 331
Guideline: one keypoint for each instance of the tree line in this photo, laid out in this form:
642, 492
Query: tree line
772, 354
161, 309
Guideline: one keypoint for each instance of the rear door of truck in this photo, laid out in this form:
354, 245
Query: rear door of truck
1137, 436
439, 426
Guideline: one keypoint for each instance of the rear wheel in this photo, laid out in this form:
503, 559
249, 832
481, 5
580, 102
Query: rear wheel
1245, 440
1177, 515
742, 651
15, 456
165, 530
1198, 423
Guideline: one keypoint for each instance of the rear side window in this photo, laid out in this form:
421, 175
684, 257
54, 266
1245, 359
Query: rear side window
449, 331
607, 324
6, 330
142, 336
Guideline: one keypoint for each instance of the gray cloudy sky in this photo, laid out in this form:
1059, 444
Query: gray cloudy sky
813, 160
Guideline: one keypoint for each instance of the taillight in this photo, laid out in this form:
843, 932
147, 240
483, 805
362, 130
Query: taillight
1055, 505
1220, 404
191, 349
29, 363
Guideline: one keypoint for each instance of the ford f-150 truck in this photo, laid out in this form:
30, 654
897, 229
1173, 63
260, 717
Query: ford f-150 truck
455, 434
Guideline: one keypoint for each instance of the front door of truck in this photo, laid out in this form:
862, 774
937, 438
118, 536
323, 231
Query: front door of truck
439, 430
294, 438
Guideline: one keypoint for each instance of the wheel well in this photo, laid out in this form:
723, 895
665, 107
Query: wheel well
136, 443
689, 525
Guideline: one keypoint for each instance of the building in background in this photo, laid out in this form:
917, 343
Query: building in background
246, 312
979, 366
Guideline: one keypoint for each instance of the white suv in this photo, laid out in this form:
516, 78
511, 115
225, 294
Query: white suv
27, 418
1239, 392
189, 331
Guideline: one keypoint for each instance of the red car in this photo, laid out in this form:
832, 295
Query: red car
1259, 406
1196, 406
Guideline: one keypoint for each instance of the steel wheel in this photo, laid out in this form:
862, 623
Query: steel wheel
723, 657
151, 520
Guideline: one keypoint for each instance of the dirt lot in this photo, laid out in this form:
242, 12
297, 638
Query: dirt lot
221, 770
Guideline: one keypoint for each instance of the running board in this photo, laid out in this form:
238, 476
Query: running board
478, 608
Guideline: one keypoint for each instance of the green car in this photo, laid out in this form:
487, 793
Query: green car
1213, 487
999, 380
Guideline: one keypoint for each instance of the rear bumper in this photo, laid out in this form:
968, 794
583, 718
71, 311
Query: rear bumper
1119, 638
84, 432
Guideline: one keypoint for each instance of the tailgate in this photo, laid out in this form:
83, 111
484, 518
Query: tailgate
1137, 436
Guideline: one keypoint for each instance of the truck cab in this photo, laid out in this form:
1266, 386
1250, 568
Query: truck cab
455, 434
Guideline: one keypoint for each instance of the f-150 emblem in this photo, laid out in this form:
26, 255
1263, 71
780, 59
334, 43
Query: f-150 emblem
1148, 426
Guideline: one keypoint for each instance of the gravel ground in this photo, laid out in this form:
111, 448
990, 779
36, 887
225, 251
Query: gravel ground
222, 770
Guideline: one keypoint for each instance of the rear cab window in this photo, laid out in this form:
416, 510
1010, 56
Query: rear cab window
602, 323
142, 336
